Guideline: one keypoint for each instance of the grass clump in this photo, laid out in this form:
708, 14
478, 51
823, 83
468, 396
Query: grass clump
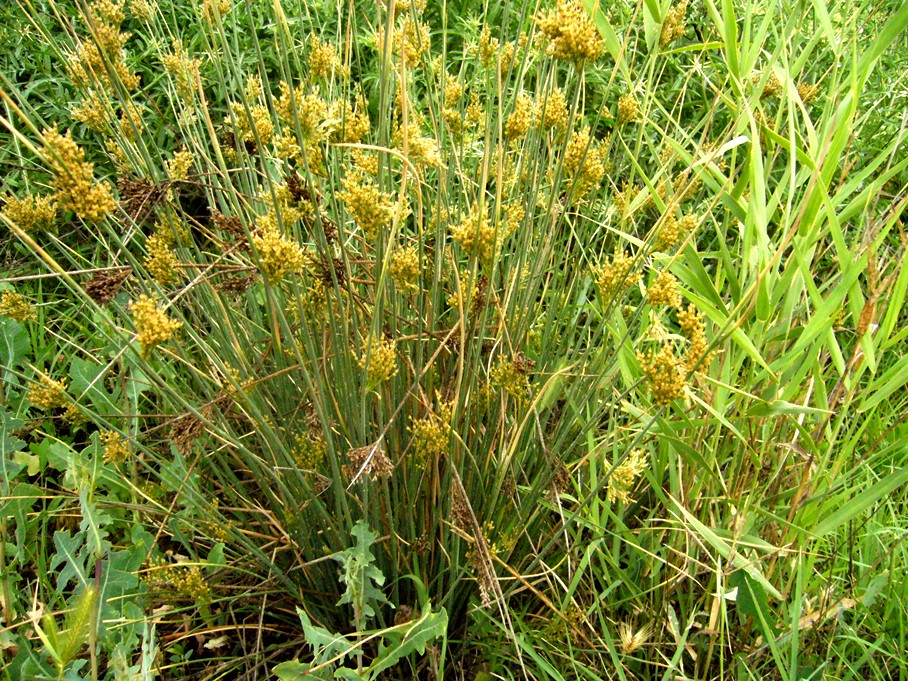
585, 324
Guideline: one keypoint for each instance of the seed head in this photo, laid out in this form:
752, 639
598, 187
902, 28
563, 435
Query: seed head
48, 394
665, 373
570, 33
379, 359
115, 449
31, 213
664, 290
278, 255
615, 275
152, 323
404, 269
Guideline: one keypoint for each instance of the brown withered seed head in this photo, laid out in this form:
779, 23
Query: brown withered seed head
103, 286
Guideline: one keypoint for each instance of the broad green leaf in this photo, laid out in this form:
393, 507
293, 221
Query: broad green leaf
396, 645
852, 508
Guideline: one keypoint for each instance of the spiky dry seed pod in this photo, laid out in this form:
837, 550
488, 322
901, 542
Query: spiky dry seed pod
570, 33
73, 179
116, 450
48, 394
628, 109
31, 213
153, 326
369, 461
624, 476
665, 374
404, 269
104, 286
632, 639
664, 290
552, 111
674, 24
615, 275
520, 119
379, 359
14, 305
186, 429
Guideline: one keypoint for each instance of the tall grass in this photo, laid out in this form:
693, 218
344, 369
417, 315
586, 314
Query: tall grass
607, 350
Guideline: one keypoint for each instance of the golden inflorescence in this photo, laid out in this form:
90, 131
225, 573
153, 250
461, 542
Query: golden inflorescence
153, 326
48, 394
570, 33
31, 213
14, 305
615, 275
404, 269
115, 448
665, 373
624, 476
379, 359
73, 179
370, 207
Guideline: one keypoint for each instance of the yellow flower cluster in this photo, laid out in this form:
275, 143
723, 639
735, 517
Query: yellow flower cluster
410, 38
771, 88
349, 124
422, 151
115, 448
404, 269
73, 179
31, 213
672, 231
691, 323
257, 124
309, 451
570, 32
15, 306
143, 10
323, 61
624, 476
209, 7
552, 112
615, 275
512, 376
183, 69
674, 25
664, 290
309, 109
476, 236
278, 255
628, 108
370, 207
186, 580
48, 394
584, 162
808, 92
178, 167
152, 323
95, 59
665, 373
161, 261
379, 359
92, 112
521, 118
431, 434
